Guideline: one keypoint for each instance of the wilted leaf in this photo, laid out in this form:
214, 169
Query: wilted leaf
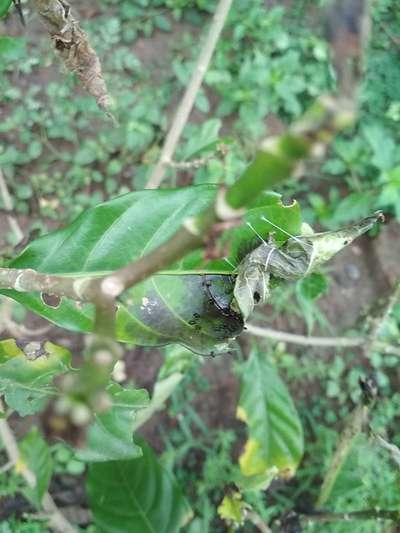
275, 443
27, 383
296, 258
110, 436
137, 495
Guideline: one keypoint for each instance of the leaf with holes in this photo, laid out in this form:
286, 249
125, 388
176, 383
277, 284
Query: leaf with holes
137, 495
28, 383
190, 303
110, 436
275, 436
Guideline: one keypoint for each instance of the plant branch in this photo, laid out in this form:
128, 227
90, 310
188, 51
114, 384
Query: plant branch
186, 105
17, 330
325, 342
353, 427
369, 342
275, 161
257, 521
367, 514
8, 204
378, 323
57, 521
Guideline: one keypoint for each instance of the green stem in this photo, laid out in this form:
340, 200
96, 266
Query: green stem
352, 428
275, 161
277, 157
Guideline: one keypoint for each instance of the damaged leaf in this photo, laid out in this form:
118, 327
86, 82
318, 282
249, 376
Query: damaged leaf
72, 45
275, 436
26, 380
295, 259
190, 303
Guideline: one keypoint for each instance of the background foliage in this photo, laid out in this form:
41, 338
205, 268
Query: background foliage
60, 156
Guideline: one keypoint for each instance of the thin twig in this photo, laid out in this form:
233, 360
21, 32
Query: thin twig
367, 514
186, 105
57, 520
380, 320
355, 423
353, 427
320, 342
391, 448
18, 330
257, 521
327, 342
8, 204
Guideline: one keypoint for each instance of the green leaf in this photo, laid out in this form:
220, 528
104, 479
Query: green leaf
163, 389
179, 306
313, 286
137, 495
275, 442
27, 383
383, 146
36, 455
110, 436
201, 137
4, 7
268, 215
192, 310
114, 233
232, 509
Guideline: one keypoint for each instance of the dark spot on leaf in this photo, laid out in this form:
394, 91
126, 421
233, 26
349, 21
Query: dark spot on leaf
51, 300
256, 297
287, 202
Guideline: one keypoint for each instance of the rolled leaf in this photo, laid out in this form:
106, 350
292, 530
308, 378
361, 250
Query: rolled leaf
296, 258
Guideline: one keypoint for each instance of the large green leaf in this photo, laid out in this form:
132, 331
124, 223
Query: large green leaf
137, 495
110, 436
112, 234
190, 303
275, 443
4, 7
26, 377
36, 455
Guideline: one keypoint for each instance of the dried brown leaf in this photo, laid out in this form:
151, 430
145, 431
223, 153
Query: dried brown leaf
72, 46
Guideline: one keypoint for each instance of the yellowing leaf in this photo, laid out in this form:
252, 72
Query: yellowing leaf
231, 508
275, 443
